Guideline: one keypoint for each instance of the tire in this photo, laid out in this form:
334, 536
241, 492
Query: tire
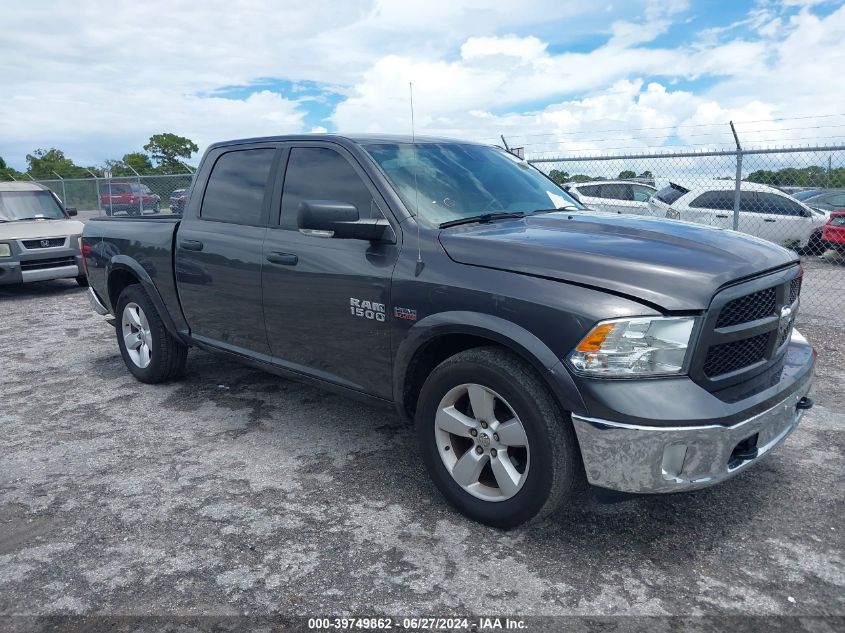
816, 245
548, 468
159, 357
134, 211
157, 208
82, 280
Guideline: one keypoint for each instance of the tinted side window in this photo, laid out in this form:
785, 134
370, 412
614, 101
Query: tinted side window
669, 194
235, 190
590, 190
719, 200
617, 192
317, 173
777, 205
837, 201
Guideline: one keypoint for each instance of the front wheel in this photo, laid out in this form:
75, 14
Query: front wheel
82, 280
494, 440
150, 352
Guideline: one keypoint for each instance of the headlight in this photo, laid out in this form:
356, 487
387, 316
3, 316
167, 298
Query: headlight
672, 214
5, 250
623, 348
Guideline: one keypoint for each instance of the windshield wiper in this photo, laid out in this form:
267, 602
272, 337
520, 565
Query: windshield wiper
483, 218
567, 207
41, 217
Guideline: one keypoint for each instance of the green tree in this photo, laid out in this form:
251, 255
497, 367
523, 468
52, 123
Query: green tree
559, 176
138, 161
8, 173
169, 150
646, 174
627, 173
42, 163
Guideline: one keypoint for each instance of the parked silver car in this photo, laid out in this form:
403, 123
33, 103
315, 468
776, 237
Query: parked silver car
38, 238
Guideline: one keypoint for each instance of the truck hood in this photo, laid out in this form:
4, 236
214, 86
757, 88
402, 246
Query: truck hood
34, 229
670, 264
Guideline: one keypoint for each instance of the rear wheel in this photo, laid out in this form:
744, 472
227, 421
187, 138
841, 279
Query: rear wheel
150, 352
494, 439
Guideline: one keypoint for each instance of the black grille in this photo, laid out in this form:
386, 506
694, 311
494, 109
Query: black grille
41, 264
728, 357
751, 307
53, 242
795, 289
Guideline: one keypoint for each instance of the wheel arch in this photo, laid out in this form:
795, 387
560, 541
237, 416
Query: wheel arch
124, 271
438, 337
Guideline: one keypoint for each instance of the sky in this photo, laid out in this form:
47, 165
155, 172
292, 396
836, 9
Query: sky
560, 77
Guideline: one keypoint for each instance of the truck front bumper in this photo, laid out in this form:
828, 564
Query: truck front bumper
639, 457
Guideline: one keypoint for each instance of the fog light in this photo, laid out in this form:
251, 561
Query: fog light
673, 461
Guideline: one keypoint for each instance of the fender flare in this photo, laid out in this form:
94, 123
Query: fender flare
497, 330
131, 265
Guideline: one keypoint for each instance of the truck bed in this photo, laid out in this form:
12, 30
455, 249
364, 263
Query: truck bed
121, 240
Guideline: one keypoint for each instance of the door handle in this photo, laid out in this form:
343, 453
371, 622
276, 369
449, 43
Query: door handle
285, 259
769, 220
191, 245
722, 216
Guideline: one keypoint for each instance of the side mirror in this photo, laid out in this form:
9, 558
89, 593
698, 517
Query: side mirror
71, 211
330, 218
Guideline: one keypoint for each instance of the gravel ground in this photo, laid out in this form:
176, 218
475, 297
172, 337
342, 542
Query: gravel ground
237, 492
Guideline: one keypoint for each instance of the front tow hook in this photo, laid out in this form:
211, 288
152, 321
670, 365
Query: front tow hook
804, 404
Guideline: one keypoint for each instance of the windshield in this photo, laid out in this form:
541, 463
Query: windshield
803, 195
29, 205
451, 181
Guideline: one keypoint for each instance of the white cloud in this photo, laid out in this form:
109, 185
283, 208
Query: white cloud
98, 81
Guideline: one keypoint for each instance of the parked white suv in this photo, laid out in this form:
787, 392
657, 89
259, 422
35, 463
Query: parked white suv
613, 196
764, 211
38, 240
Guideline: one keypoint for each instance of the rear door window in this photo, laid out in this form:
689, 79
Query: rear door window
593, 191
719, 200
237, 186
617, 191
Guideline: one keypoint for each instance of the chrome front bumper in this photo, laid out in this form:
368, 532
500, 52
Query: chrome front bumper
652, 459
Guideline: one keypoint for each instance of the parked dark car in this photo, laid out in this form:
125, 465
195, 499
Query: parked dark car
824, 199
178, 200
532, 342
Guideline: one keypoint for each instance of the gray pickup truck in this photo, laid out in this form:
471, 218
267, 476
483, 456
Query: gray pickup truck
534, 343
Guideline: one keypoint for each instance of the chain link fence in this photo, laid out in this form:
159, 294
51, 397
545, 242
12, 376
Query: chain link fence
124, 195
794, 197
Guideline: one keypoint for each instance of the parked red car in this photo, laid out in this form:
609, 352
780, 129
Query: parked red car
833, 231
128, 196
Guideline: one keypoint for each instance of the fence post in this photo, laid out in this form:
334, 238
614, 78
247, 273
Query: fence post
738, 178
64, 191
140, 193
97, 189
